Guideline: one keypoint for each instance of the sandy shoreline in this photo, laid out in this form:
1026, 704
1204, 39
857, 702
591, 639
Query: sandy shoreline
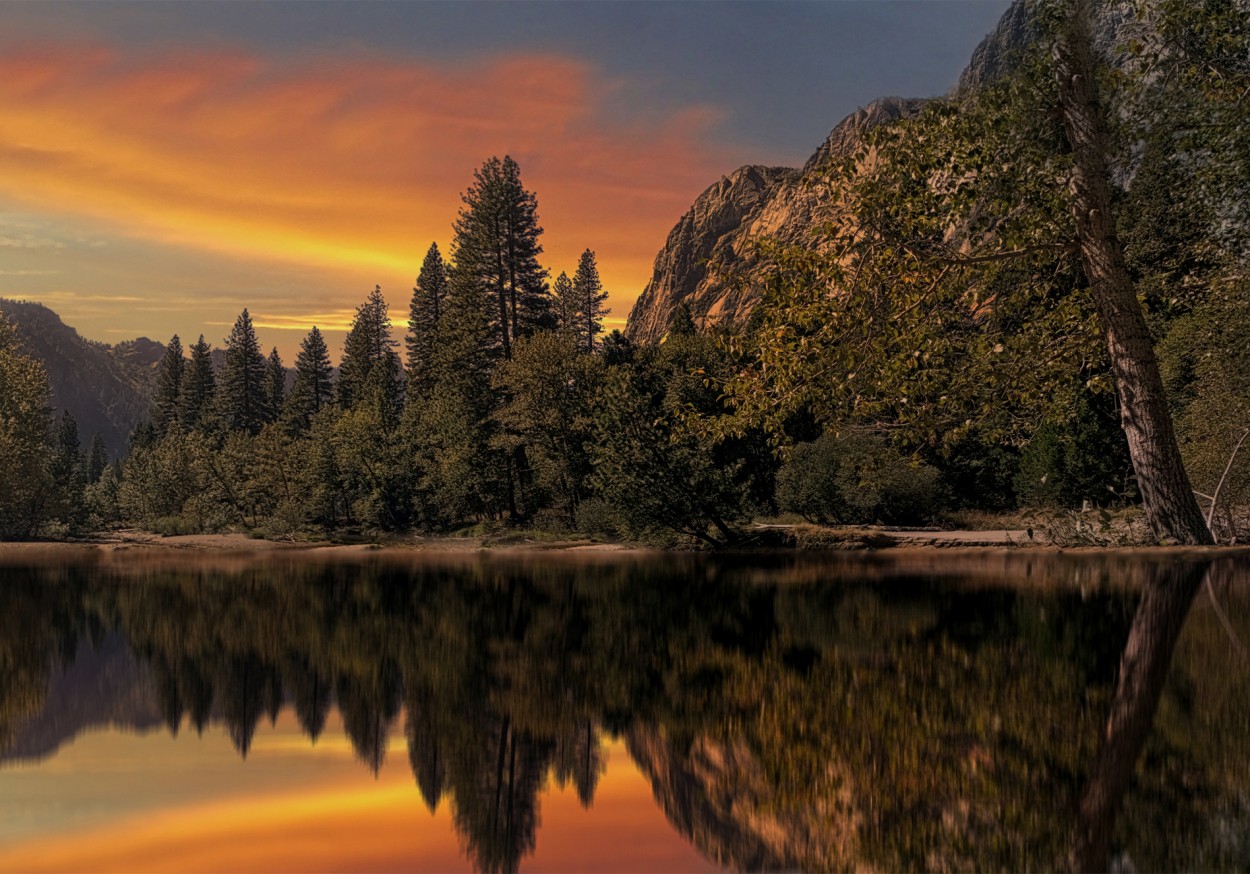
854, 540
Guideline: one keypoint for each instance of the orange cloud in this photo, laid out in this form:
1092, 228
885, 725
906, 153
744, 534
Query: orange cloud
353, 165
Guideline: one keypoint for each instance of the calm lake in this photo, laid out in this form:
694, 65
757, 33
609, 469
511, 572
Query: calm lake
675, 713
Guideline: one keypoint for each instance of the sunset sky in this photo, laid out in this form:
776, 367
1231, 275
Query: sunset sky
164, 165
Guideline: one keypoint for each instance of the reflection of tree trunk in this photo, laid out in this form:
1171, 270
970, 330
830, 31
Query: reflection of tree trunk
1143, 668
1167, 496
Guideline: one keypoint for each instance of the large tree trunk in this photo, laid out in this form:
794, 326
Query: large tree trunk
1166, 493
1143, 669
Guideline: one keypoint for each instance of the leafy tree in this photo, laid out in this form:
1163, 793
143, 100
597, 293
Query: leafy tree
590, 298
314, 382
24, 420
199, 387
244, 400
496, 247
423, 314
856, 479
652, 461
167, 397
551, 389
275, 385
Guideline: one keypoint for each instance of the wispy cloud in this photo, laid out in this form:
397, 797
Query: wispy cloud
29, 241
340, 163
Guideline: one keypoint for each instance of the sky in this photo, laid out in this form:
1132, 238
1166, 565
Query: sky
113, 801
163, 165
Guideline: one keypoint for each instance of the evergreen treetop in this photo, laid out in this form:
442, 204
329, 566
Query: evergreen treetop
167, 398
244, 401
424, 311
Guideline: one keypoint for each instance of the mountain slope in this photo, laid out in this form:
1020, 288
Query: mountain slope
713, 246
708, 260
105, 388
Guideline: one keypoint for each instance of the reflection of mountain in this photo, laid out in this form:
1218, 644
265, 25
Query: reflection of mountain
104, 687
718, 795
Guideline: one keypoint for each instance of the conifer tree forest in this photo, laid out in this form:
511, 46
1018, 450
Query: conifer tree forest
955, 344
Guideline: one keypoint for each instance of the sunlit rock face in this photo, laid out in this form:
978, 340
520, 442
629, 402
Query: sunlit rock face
717, 794
710, 260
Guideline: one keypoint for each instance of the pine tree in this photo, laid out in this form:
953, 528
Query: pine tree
314, 386
589, 296
66, 470
275, 385
199, 385
496, 246
24, 421
681, 322
97, 459
565, 303
423, 314
167, 399
243, 402
368, 343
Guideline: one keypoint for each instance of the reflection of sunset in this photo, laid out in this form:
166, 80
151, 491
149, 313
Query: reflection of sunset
314, 809
350, 165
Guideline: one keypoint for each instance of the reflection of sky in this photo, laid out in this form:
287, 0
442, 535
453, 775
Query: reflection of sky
200, 157
113, 801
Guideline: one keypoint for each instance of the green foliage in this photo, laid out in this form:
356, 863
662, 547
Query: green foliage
1077, 455
653, 459
424, 310
551, 386
856, 479
589, 298
369, 372
243, 402
199, 389
167, 397
496, 249
24, 420
275, 385
313, 388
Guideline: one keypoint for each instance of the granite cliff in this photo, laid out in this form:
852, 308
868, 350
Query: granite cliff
709, 260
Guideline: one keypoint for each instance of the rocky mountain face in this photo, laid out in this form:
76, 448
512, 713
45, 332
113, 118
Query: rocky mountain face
105, 388
709, 260
715, 793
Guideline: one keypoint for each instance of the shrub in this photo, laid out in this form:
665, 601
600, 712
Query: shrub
855, 480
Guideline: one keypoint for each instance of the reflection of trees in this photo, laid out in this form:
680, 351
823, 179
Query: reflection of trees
895, 723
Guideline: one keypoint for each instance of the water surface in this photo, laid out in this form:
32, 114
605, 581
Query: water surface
674, 713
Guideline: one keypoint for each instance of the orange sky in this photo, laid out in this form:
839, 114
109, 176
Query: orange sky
169, 190
124, 803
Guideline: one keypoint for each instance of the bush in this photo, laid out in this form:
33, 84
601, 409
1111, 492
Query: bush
856, 480
597, 518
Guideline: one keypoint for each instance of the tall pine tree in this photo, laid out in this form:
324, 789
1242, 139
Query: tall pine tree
565, 303
368, 343
275, 385
589, 296
423, 314
496, 246
244, 401
314, 382
167, 398
199, 385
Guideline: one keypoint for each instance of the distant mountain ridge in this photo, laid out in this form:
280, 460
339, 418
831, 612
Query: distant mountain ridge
105, 388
